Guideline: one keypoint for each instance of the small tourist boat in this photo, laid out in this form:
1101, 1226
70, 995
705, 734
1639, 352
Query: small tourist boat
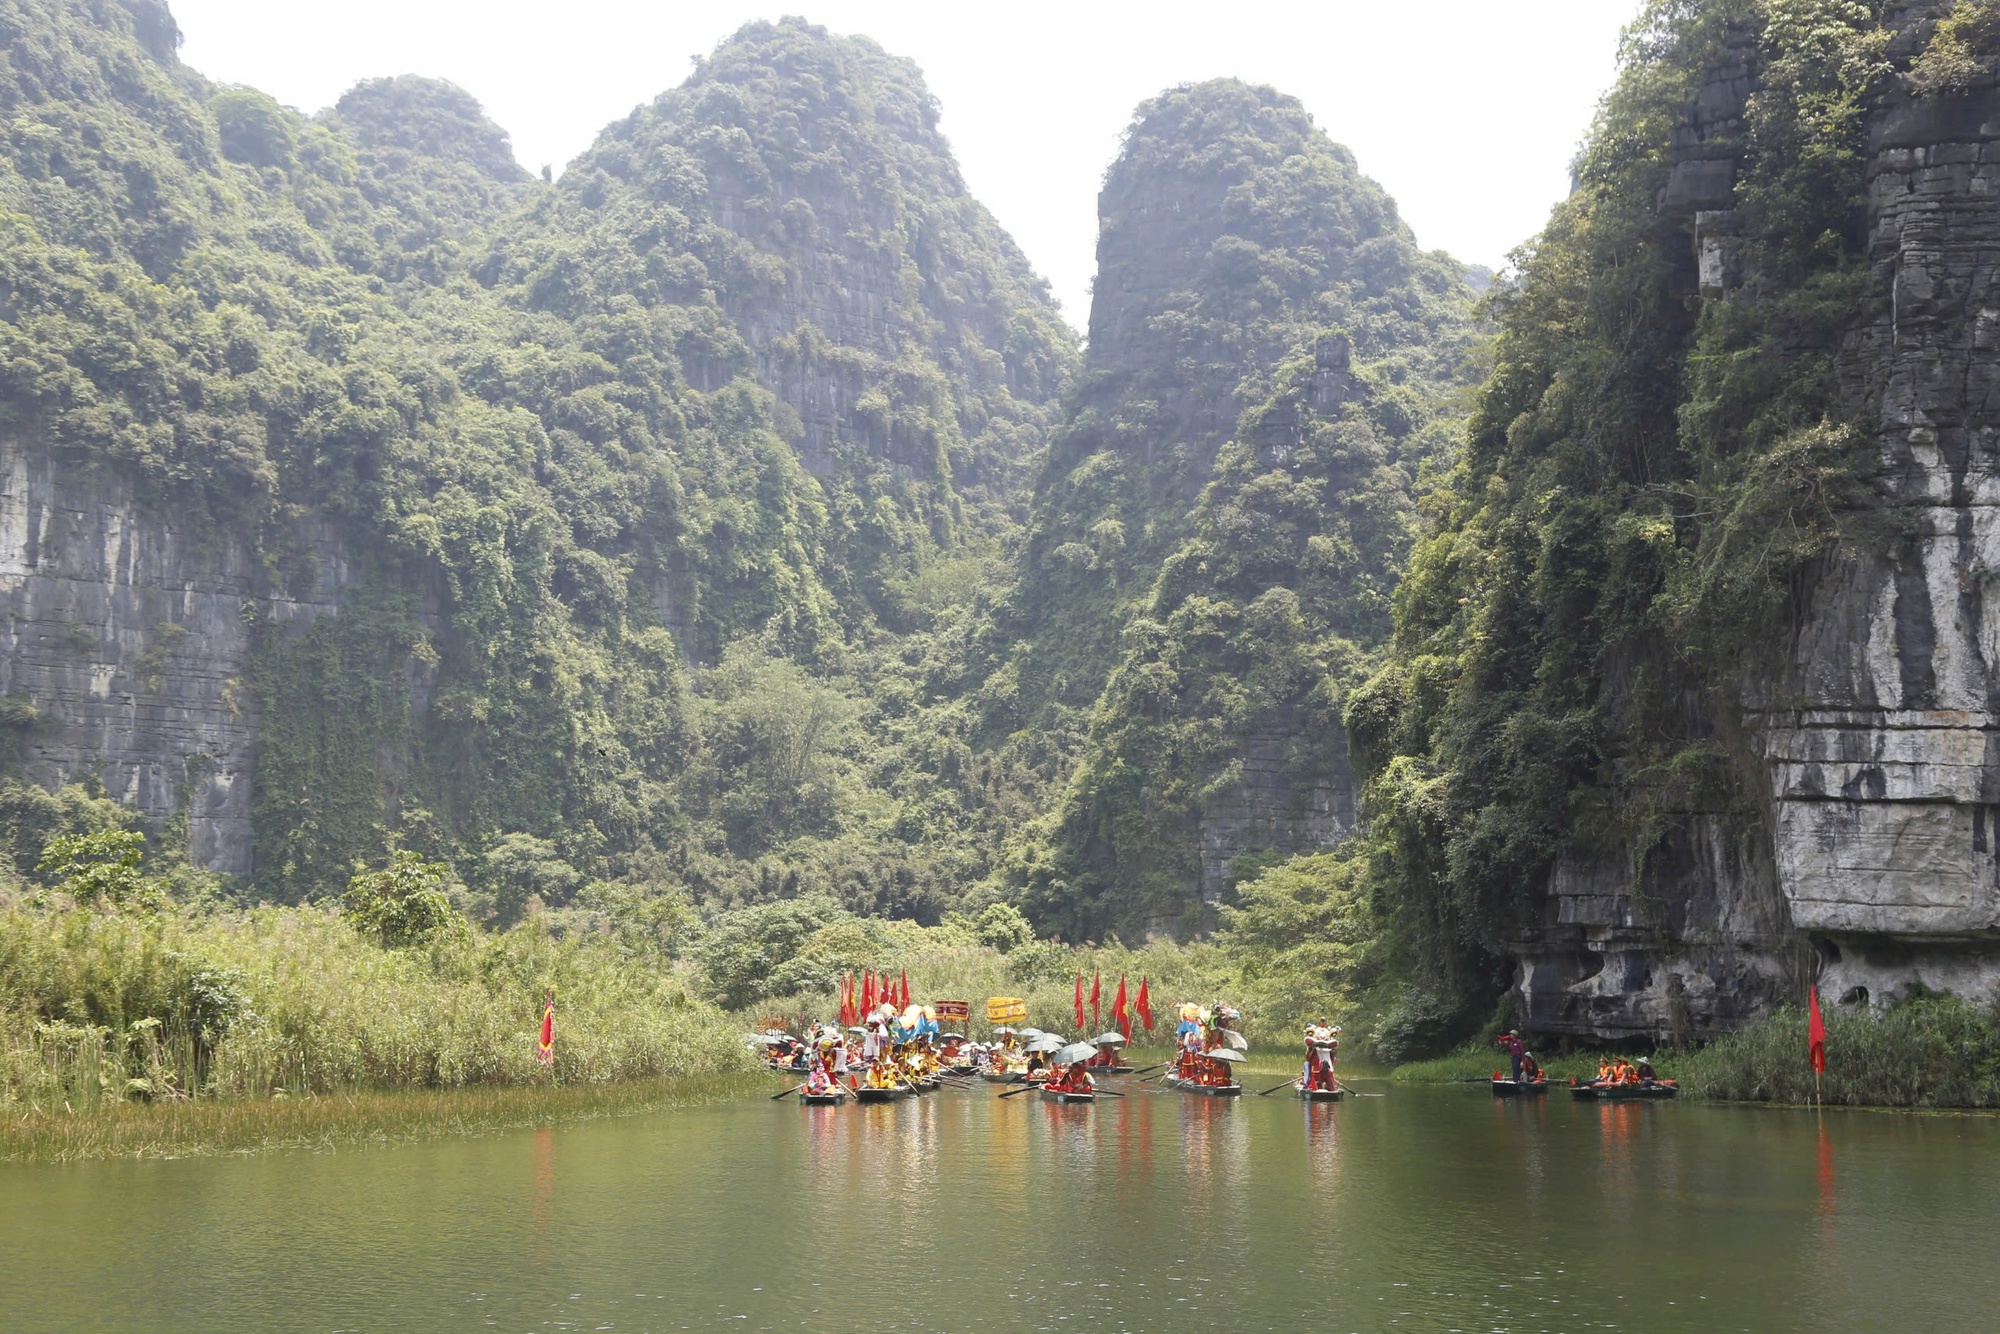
1003, 1076
1317, 1095
1606, 1091
1066, 1096
820, 1099
1513, 1088
895, 1093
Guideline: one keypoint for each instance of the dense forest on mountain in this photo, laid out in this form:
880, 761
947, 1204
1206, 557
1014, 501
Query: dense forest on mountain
626, 621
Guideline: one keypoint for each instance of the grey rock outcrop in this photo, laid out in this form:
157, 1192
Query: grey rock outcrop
1875, 866
129, 628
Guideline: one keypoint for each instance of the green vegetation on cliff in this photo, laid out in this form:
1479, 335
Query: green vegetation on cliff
1218, 533
732, 419
1647, 476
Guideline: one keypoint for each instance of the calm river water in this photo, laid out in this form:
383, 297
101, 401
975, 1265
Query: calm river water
1426, 1209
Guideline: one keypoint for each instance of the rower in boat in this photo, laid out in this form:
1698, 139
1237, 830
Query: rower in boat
1109, 1056
1517, 1051
1322, 1048
1207, 1053
1070, 1081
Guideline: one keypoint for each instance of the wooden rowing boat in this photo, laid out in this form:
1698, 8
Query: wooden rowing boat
1648, 1089
1510, 1088
1318, 1095
884, 1095
820, 1099
1003, 1076
1066, 1096
1205, 1090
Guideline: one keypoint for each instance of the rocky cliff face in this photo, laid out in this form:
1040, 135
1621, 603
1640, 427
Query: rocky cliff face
130, 628
1875, 864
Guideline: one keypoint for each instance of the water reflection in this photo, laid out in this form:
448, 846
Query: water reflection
1159, 1212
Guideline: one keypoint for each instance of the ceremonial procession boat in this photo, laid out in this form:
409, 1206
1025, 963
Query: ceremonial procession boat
1205, 1090
1606, 1091
891, 1093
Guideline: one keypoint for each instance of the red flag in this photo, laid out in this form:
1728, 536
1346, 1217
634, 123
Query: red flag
1096, 989
1079, 1000
904, 1002
1119, 1015
1816, 1035
545, 1047
867, 992
847, 1000
1145, 1006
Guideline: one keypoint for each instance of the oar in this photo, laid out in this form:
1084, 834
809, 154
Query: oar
1290, 1083
1161, 1065
786, 1093
1359, 1094
1025, 1088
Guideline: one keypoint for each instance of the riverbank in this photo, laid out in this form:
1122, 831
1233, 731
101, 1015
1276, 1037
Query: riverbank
1930, 1051
208, 1127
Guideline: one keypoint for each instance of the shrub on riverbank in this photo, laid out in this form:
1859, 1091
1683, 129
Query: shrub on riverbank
1929, 1051
98, 1006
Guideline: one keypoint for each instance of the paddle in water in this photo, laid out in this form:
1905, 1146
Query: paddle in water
1290, 1083
786, 1093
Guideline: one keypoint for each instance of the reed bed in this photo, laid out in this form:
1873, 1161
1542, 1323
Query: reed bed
205, 1127
289, 1015
1930, 1051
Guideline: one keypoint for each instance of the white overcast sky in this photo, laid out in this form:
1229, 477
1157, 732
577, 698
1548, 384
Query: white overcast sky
1468, 111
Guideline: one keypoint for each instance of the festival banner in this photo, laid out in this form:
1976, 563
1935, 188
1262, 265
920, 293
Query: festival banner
1006, 1010
953, 1012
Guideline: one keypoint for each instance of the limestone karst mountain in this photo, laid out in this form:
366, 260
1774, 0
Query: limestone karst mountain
361, 487
1218, 531
1692, 695
736, 519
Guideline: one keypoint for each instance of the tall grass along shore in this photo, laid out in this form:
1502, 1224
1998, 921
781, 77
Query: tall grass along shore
128, 1018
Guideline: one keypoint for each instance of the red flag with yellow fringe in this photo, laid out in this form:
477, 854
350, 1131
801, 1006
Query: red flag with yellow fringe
545, 1044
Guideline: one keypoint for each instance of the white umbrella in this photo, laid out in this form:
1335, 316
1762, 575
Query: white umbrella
1110, 1040
1027, 1032
1075, 1053
1225, 1054
1046, 1042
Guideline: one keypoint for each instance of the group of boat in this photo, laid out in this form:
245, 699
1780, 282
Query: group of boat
901, 1053
895, 1054
1618, 1080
